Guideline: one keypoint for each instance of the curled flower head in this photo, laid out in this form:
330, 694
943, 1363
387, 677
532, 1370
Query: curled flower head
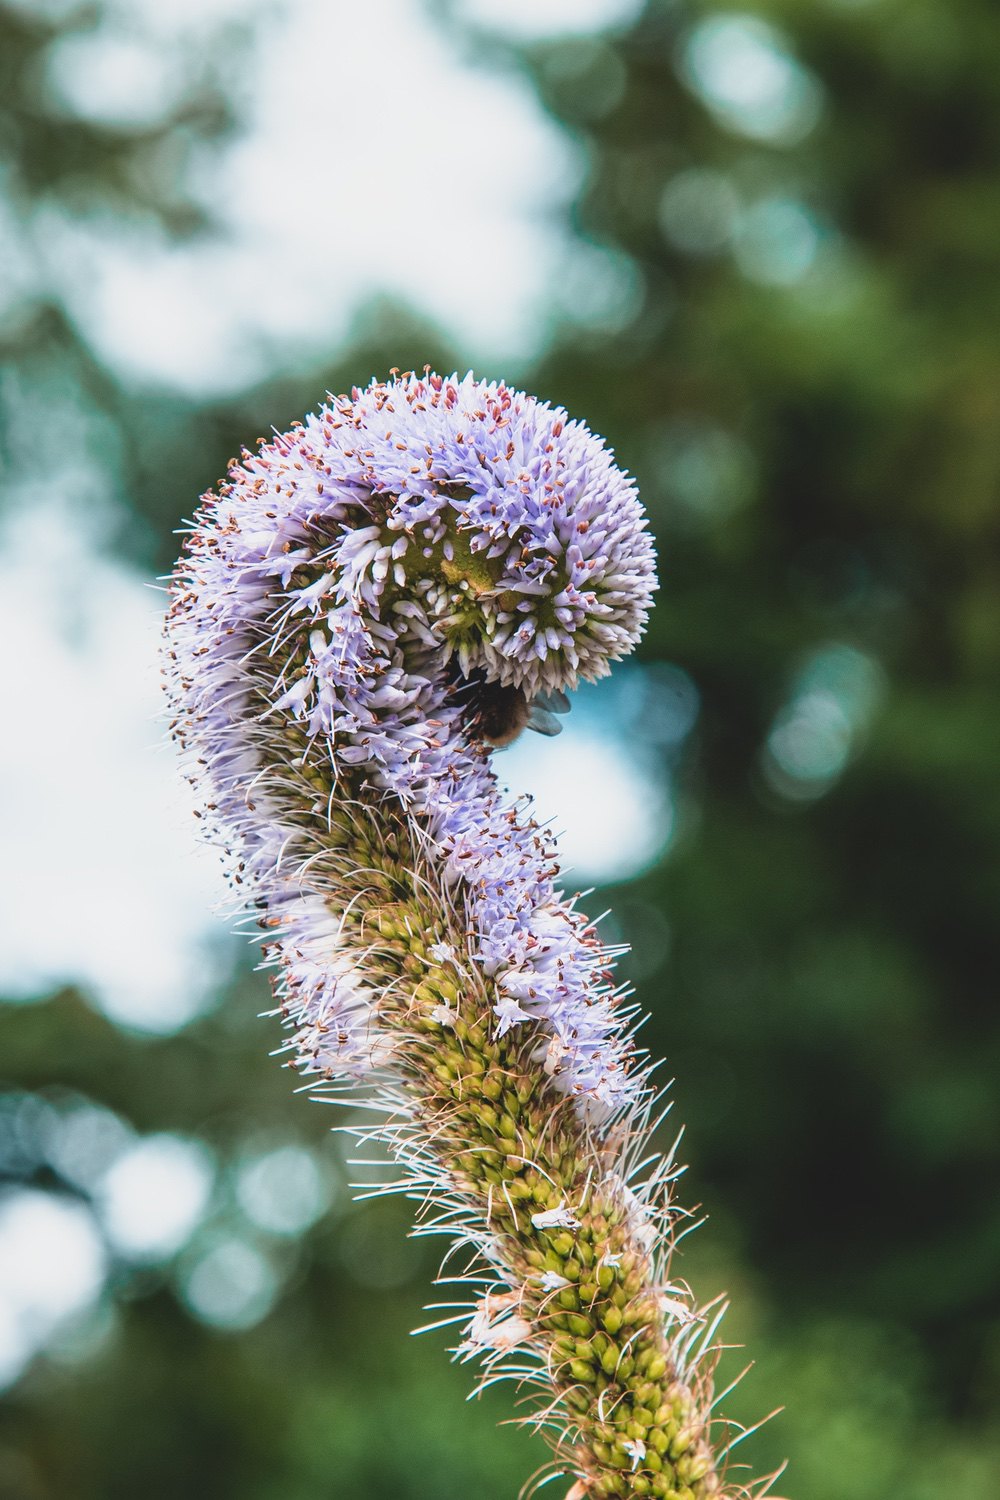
369, 606
395, 583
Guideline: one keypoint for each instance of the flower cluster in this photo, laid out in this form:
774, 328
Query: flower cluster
370, 602
415, 526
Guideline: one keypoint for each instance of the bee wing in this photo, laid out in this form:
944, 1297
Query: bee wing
554, 702
542, 720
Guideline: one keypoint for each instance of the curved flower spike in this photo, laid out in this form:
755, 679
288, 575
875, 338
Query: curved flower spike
372, 602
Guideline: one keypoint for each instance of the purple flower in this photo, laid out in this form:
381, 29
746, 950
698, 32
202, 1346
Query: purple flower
422, 531
373, 601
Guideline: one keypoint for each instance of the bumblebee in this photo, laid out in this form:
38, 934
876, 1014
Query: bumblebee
500, 714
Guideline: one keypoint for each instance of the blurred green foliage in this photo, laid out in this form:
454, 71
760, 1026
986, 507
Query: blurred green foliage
787, 323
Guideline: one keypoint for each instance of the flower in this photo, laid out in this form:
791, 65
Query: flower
344, 601
414, 528
636, 1450
555, 1218
495, 1326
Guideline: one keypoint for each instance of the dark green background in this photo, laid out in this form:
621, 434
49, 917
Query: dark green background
821, 461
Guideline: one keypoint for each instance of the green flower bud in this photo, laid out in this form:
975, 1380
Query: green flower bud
611, 1317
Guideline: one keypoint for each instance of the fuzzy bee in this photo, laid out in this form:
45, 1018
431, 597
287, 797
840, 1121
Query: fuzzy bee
500, 713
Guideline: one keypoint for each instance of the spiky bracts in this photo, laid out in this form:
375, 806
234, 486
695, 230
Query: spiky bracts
341, 602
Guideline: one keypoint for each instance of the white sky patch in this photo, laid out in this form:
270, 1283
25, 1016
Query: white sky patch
532, 20
110, 80
612, 812
375, 159
52, 1266
103, 883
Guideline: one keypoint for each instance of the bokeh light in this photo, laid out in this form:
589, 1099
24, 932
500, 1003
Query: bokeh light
742, 68
51, 1267
151, 1198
